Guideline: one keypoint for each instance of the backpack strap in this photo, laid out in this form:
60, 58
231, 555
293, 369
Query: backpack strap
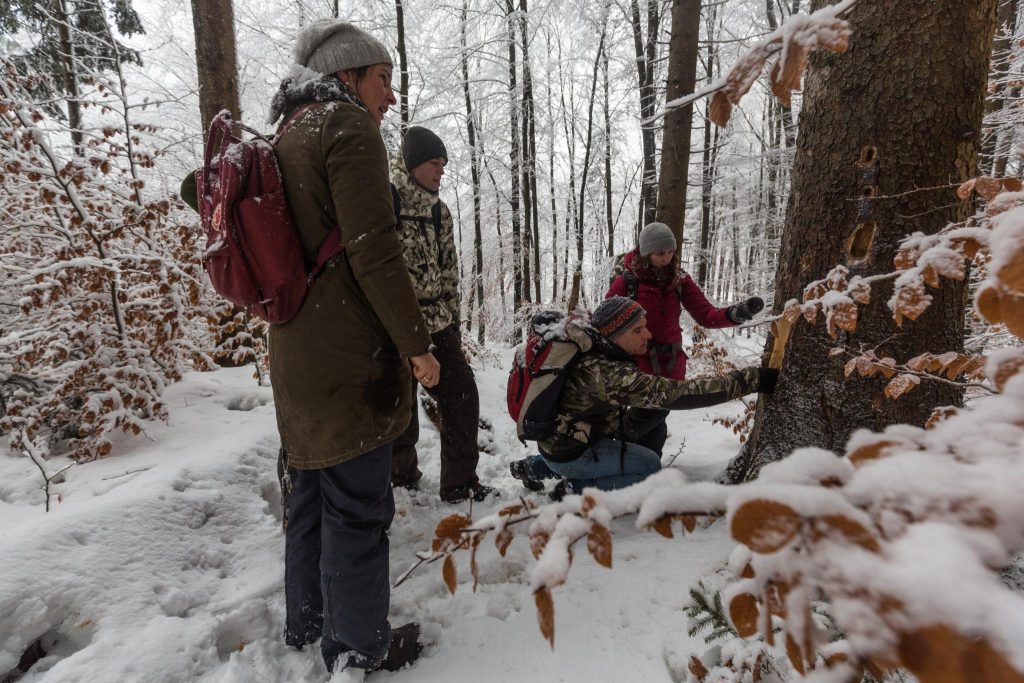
332, 244
435, 217
629, 277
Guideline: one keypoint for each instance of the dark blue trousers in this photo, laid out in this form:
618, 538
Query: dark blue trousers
337, 586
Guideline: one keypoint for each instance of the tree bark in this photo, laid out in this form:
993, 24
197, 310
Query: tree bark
474, 171
216, 60
882, 125
675, 145
403, 68
646, 53
520, 283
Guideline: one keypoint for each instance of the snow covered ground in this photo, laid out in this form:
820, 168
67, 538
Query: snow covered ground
164, 561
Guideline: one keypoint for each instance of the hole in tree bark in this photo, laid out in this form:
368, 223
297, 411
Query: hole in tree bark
859, 245
869, 191
868, 155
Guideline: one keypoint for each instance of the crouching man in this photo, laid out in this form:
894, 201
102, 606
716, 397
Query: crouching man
593, 445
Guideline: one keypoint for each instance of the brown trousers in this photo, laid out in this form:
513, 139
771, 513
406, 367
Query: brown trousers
458, 405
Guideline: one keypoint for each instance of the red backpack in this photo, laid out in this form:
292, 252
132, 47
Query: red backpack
254, 254
539, 371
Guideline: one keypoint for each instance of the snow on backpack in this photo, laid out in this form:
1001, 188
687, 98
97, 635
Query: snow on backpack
254, 255
538, 375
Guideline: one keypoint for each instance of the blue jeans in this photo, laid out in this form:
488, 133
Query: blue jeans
606, 466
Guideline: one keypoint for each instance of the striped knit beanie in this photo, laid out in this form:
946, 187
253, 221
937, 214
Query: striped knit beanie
615, 315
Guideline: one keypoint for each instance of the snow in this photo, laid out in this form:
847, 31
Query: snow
163, 562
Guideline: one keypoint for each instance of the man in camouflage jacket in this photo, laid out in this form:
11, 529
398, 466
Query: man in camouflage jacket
428, 243
595, 444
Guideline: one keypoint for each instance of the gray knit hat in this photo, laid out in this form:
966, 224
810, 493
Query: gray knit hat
329, 45
421, 144
656, 237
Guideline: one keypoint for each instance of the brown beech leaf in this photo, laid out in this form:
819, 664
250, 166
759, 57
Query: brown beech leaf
988, 304
970, 247
792, 312
905, 259
599, 543
663, 525
966, 189
814, 291
502, 540
748, 571
796, 656
987, 187
538, 541
1012, 307
871, 451
448, 572
721, 109
1008, 368
1011, 274
1012, 184
900, 385
744, 614
689, 522
775, 597
545, 614
930, 276
940, 415
698, 669
450, 529
764, 525
587, 505
810, 311
840, 527
844, 316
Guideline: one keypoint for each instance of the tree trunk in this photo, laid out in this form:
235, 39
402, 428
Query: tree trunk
675, 145
586, 153
646, 53
520, 283
216, 63
891, 118
609, 222
403, 68
69, 75
474, 171
530, 200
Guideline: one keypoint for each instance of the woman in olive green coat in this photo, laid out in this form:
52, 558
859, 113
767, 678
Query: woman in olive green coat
339, 368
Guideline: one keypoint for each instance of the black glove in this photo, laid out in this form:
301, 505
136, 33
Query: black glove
766, 380
741, 313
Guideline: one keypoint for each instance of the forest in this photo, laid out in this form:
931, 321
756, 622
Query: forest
856, 164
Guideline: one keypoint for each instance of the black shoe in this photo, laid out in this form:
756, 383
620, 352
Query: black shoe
518, 470
475, 490
561, 490
405, 648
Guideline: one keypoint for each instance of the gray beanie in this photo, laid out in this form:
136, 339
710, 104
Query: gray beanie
656, 237
421, 144
329, 45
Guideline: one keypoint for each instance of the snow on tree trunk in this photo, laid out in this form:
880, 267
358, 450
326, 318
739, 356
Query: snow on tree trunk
887, 131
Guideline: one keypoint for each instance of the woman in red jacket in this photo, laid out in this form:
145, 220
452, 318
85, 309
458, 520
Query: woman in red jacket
650, 274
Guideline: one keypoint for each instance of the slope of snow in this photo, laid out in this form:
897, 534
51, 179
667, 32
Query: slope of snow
164, 561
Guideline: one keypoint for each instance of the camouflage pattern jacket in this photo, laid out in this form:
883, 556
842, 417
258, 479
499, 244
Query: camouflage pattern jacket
430, 257
606, 382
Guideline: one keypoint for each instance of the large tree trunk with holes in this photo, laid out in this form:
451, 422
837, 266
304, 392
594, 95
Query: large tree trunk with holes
887, 131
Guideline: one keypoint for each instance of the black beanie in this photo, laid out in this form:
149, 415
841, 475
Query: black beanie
421, 144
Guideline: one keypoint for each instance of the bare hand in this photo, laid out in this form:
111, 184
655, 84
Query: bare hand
426, 369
